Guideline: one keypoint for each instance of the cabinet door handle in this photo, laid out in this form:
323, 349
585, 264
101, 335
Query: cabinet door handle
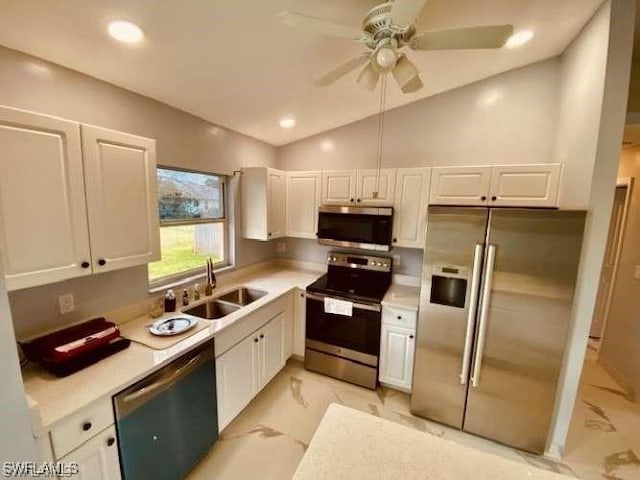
255, 340
351, 200
85, 264
86, 426
483, 198
359, 200
302, 295
395, 240
411, 337
102, 262
494, 198
399, 317
269, 234
262, 335
110, 441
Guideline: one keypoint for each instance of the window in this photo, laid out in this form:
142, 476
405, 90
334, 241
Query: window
193, 224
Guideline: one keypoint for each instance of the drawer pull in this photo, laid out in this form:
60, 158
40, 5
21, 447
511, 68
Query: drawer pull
111, 441
86, 426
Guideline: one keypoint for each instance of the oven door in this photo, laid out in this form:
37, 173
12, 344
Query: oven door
355, 338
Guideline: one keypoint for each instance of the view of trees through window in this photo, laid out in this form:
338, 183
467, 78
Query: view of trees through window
192, 221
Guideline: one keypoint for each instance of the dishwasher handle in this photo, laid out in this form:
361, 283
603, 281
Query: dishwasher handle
131, 398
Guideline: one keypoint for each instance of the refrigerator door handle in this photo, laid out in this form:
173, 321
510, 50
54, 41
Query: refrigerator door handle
473, 310
484, 310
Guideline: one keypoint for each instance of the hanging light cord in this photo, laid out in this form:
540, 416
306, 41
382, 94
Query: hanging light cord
383, 99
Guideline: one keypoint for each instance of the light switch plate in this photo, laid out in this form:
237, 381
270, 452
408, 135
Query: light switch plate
66, 303
637, 273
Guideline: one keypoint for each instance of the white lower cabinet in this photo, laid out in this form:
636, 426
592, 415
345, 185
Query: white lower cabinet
97, 458
243, 370
236, 380
271, 350
397, 347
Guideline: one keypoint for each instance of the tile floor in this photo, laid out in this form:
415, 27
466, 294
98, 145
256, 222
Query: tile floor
268, 439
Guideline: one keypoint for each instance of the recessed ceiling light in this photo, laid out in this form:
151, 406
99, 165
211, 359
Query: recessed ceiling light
125, 31
518, 39
287, 122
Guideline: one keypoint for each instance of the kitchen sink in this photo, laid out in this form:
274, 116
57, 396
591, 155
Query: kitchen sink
242, 296
211, 310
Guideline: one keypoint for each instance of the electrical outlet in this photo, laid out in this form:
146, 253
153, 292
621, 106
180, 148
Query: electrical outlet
281, 247
637, 272
66, 303
397, 260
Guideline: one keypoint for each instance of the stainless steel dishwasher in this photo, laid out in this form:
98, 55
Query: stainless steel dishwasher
168, 421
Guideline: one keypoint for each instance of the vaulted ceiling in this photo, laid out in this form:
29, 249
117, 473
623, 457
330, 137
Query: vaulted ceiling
233, 63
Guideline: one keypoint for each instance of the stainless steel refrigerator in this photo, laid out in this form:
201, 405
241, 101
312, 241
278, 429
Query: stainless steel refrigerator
495, 308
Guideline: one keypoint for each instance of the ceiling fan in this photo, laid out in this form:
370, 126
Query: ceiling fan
386, 30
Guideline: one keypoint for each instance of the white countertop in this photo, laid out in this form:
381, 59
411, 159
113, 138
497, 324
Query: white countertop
402, 296
354, 445
56, 398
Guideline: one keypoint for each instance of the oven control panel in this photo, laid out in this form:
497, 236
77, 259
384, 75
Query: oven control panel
366, 262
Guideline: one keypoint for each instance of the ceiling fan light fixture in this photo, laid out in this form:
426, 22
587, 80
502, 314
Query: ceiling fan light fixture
519, 38
386, 58
407, 75
368, 77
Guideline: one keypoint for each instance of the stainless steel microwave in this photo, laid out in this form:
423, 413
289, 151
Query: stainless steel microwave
368, 228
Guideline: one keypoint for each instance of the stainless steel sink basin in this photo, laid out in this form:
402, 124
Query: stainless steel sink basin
211, 310
242, 296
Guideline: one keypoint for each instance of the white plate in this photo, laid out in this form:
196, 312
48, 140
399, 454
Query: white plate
172, 326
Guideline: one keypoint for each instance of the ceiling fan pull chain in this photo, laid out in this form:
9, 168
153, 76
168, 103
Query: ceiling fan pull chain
383, 98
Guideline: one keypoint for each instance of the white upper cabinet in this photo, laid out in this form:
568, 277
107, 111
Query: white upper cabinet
358, 187
74, 200
460, 185
525, 185
43, 224
534, 185
276, 204
410, 207
263, 203
303, 197
371, 190
122, 200
338, 187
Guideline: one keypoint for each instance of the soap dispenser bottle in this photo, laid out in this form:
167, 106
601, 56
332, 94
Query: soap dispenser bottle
170, 301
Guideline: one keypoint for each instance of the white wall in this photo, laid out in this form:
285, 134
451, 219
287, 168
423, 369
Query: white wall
509, 118
595, 78
619, 352
183, 140
16, 442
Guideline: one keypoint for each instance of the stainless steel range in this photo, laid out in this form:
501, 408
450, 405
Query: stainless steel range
344, 315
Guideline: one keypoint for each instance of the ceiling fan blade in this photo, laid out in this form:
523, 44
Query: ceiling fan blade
341, 70
298, 20
494, 36
405, 12
407, 75
368, 77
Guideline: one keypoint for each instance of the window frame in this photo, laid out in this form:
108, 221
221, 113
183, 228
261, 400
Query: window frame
199, 272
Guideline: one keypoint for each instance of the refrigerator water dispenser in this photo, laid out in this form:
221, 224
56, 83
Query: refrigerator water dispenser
449, 285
